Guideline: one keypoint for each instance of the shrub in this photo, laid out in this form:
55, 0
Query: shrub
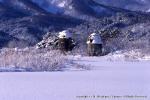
30, 58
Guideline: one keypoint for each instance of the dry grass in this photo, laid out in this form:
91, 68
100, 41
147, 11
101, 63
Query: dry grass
37, 60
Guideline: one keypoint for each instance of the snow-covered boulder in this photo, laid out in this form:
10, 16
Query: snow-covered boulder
65, 34
96, 39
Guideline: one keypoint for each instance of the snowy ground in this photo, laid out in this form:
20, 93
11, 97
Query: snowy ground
115, 78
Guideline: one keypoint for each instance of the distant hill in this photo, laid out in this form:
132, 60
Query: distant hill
27, 21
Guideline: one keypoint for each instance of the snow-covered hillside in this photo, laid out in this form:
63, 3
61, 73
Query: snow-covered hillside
139, 5
73, 8
27, 21
55, 5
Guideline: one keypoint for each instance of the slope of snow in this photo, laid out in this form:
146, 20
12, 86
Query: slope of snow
139, 5
148, 10
113, 64
109, 76
64, 4
71, 85
67, 6
49, 6
54, 6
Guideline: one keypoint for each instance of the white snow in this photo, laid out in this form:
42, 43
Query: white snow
109, 76
62, 4
65, 34
96, 39
49, 6
148, 10
135, 5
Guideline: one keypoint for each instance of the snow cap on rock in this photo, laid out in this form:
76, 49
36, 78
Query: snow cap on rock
94, 34
65, 34
96, 38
